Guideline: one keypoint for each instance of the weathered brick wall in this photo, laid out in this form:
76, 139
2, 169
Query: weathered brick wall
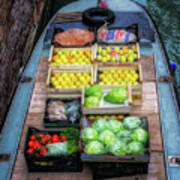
19, 21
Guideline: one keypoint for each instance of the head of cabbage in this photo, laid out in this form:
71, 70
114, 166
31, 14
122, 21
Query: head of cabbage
124, 135
96, 91
106, 137
95, 148
89, 134
135, 148
131, 122
100, 125
115, 126
117, 148
140, 135
91, 101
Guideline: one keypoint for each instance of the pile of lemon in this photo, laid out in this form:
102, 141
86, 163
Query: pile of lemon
117, 54
72, 57
106, 116
118, 76
70, 79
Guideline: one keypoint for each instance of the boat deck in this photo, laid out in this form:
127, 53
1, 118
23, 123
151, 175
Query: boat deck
149, 108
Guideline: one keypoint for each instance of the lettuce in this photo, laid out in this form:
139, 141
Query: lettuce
135, 148
131, 122
124, 135
100, 125
89, 134
91, 102
140, 135
117, 148
115, 126
95, 148
106, 137
94, 91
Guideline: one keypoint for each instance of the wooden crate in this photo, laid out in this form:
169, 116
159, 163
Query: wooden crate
108, 109
53, 50
113, 46
66, 92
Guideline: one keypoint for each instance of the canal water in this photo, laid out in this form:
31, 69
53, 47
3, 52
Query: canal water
166, 14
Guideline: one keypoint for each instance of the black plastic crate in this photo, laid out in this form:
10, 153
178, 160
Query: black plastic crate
103, 170
108, 166
63, 163
66, 123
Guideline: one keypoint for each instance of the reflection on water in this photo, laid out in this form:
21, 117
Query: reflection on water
166, 14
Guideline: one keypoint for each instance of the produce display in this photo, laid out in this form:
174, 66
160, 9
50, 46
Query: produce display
118, 76
74, 37
70, 79
94, 94
63, 111
45, 144
117, 54
79, 56
114, 137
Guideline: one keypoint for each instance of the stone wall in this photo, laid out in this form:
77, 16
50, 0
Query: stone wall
19, 24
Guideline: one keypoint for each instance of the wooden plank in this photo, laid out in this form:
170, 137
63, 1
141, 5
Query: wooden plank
148, 68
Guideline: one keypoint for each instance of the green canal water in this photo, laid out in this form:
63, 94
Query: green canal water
166, 14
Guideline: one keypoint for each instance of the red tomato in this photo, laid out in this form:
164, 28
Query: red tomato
30, 151
63, 138
44, 140
55, 138
48, 136
31, 143
43, 151
37, 146
40, 135
32, 137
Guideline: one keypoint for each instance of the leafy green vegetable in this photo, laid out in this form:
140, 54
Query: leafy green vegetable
117, 148
131, 122
118, 95
71, 133
91, 101
89, 134
106, 137
100, 125
56, 149
95, 147
135, 148
94, 91
115, 126
72, 147
140, 135
124, 135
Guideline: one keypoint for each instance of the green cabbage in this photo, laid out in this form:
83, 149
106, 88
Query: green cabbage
131, 122
135, 148
95, 148
118, 95
91, 101
115, 126
100, 124
89, 134
140, 135
106, 137
117, 148
94, 91
124, 135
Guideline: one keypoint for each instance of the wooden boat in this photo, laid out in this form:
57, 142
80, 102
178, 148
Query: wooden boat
159, 105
